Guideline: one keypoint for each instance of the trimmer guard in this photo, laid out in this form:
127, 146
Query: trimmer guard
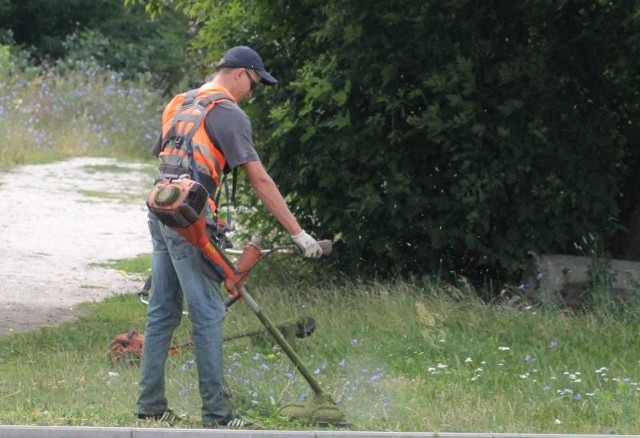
319, 409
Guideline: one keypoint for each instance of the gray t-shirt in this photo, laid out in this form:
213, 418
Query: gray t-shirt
230, 128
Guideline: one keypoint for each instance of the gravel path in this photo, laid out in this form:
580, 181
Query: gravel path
57, 221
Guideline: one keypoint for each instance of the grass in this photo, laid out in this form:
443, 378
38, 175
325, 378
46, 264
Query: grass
50, 113
396, 357
140, 264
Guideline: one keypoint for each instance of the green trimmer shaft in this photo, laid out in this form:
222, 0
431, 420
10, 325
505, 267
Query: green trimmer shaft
320, 409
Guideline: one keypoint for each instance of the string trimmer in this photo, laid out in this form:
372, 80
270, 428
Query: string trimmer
180, 204
300, 327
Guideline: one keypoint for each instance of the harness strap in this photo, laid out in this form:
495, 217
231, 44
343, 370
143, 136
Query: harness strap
230, 199
183, 127
186, 122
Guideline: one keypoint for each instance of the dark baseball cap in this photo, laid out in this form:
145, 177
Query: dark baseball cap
246, 57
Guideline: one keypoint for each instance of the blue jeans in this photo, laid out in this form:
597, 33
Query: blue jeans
175, 275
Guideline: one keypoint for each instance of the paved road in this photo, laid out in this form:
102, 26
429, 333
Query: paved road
58, 223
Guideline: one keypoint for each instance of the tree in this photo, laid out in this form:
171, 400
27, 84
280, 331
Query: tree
443, 136
124, 38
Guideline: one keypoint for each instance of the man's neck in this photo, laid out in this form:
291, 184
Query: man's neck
219, 86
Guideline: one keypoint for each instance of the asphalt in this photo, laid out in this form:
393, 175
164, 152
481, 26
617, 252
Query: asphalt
128, 432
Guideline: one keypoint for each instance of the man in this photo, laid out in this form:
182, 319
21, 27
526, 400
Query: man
222, 142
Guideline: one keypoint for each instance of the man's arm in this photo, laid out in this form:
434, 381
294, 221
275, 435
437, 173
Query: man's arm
271, 197
274, 202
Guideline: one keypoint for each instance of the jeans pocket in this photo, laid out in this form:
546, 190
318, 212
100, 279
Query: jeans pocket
157, 238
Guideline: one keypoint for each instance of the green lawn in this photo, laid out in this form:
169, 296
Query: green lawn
396, 357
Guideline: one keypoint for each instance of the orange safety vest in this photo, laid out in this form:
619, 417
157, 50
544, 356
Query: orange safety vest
183, 117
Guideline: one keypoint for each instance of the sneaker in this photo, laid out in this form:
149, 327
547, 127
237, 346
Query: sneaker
167, 416
235, 423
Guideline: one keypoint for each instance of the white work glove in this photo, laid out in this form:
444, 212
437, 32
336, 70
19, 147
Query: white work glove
308, 246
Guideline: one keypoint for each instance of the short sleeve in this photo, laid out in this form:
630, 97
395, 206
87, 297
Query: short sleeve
230, 129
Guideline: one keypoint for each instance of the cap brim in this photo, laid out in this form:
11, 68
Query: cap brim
266, 78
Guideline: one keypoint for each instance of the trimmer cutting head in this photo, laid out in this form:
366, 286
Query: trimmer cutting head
320, 410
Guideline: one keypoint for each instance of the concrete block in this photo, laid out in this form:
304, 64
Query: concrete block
560, 278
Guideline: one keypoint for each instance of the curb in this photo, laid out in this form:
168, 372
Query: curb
126, 432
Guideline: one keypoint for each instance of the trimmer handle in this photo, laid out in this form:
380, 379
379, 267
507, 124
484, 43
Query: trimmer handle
327, 246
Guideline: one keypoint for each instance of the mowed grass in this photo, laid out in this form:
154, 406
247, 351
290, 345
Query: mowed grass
397, 357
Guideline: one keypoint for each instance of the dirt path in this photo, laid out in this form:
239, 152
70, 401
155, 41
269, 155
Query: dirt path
57, 221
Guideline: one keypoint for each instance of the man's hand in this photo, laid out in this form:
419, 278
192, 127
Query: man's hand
308, 246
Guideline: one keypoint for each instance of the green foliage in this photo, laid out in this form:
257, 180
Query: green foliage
124, 39
439, 137
443, 136
53, 112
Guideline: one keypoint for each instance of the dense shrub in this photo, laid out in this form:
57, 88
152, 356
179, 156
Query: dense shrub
446, 136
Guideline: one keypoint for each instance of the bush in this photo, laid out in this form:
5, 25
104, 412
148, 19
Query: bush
446, 136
